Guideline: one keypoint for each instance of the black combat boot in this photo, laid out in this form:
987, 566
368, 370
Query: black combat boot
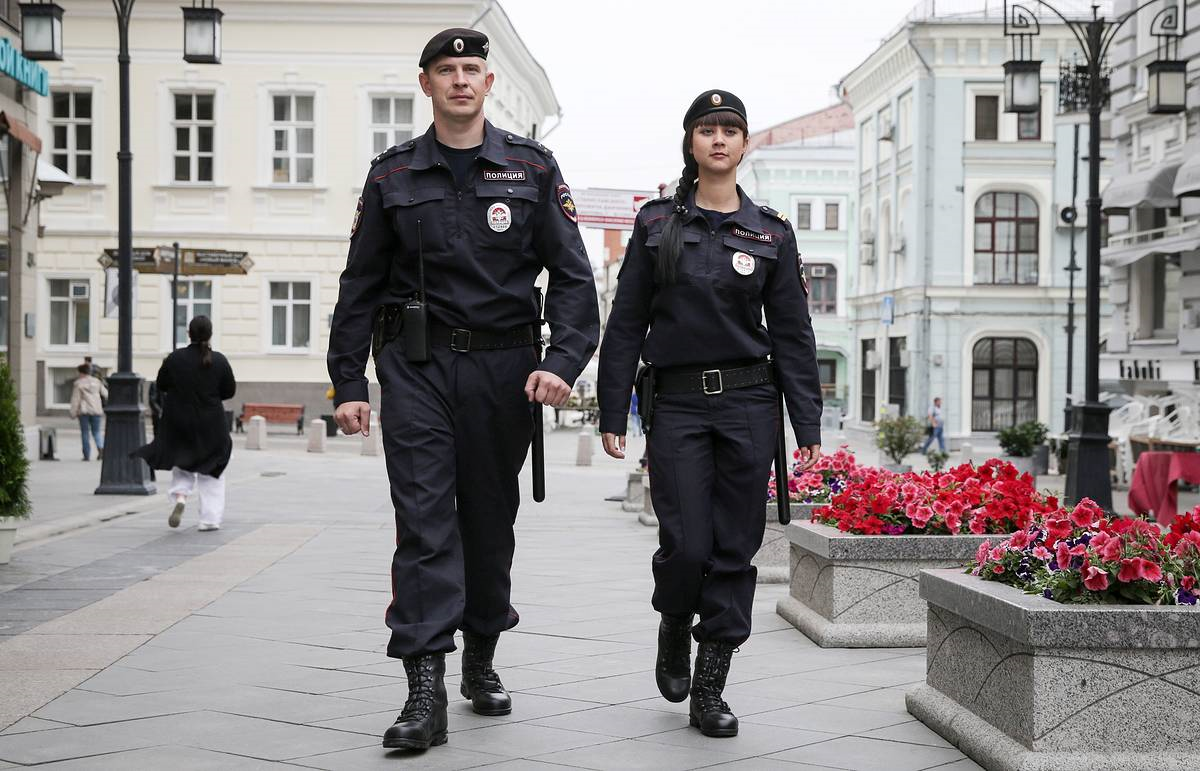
708, 711
673, 672
480, 683
422, 722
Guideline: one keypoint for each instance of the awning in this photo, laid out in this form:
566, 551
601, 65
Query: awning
1187, 181
20, 132
1151, 187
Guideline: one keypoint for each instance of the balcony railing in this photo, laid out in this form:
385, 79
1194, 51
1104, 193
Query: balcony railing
1179, 229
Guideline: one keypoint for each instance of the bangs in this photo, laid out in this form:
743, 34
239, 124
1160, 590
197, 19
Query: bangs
722, 118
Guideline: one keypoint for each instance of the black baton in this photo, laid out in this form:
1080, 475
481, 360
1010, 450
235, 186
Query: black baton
782, 493
539, 439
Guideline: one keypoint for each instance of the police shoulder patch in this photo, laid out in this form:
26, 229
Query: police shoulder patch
357, 217
403, 147
566, 203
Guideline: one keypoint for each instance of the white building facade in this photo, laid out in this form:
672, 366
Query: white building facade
812, 179
960, 289
264, 154
1153, 249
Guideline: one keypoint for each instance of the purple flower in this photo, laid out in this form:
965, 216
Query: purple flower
1049, 595
1053, 565
1184, 597
893, 529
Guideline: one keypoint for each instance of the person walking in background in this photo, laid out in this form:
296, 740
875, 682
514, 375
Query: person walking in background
192, 439
936, 426
87, 405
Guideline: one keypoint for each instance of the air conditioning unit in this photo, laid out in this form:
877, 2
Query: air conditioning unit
817, 271
873, 360
866, 249
899, 247
80, 290
887, 132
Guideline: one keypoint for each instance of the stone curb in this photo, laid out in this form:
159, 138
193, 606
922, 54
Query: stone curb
997, 751
30, 535
831, 543
828, 634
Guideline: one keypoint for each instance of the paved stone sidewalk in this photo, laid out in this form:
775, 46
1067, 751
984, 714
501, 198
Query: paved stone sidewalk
265, 646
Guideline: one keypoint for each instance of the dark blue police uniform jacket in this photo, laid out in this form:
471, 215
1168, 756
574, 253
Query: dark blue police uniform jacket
712, 314
480, 260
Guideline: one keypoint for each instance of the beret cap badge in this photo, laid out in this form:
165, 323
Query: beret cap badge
458, 44
715, 99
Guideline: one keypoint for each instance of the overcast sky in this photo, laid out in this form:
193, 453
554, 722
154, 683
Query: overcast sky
625, 72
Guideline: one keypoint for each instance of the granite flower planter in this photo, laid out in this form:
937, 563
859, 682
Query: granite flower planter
1022, 683
772, 559
861, 591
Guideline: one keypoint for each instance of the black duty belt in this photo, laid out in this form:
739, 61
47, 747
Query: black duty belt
714, 381
466, 340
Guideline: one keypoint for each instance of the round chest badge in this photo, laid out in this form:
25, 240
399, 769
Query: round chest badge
743, 263
499, 217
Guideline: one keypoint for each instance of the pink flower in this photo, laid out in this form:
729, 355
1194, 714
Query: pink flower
997, 569
1094, 578
1112, 549
1062, 555
1188, 543
1129, 571
1020, 539
981, 554
1187, 582
1086, 513
1042, 553
1151, 571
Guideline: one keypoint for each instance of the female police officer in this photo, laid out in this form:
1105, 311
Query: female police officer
699, 271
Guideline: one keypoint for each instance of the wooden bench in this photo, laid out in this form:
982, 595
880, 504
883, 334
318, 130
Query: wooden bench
273, 413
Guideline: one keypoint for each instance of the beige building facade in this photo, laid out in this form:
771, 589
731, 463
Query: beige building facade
256, 162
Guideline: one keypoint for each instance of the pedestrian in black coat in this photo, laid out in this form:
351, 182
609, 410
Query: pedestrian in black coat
192, 438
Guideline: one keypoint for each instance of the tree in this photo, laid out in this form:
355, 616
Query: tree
14, 466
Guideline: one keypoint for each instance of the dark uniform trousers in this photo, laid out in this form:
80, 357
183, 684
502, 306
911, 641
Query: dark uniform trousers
456, 431
710, 459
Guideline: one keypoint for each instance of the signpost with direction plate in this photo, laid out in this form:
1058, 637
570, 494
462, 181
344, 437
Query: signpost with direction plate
609, 209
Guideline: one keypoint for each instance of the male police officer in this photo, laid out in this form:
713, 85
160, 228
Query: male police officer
451, 230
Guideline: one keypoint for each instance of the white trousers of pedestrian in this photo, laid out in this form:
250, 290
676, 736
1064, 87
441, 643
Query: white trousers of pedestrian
210, 489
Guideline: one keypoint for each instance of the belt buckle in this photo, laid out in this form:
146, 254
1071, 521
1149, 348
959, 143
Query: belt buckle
720, 388
460, 334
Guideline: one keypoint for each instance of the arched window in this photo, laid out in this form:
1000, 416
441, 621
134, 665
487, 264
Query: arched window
822, 288
1006, 239
1004, 383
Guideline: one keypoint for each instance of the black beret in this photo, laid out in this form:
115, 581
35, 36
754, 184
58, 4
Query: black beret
715, 100
455, 42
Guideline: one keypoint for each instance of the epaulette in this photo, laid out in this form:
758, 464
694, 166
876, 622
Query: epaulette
403, 147
773, 213
514, 139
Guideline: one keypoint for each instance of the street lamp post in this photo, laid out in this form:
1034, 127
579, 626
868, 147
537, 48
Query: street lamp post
175, 299
1088, 459
1069, 217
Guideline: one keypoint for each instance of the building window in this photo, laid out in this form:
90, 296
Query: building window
291, 314
1006, 239
897, 375
1029, 125
3, 310
62, 383
822, 289
194, 297
70, 311
904, 121
827, 368
391, 121
71, 130
1004, 383
987, 117
831, 216
292, 129
804, 216
193, 126
1165, 299
867, 408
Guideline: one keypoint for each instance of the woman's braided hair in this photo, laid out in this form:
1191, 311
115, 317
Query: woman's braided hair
671, 243
200, 332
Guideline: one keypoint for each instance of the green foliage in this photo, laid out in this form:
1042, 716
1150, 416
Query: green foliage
899, 436
1020, 440
937, 459
14, 466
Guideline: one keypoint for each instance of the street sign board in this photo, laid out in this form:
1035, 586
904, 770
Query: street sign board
193, 262
609, 209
